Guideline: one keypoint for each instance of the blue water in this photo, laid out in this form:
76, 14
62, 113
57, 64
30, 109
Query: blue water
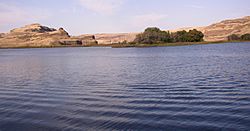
201, 87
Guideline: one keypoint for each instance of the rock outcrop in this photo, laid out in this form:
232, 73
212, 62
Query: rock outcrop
33, 28
36, 35
69, 42
1, 35
87, 40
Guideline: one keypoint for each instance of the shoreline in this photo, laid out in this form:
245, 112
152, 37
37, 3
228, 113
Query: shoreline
129, 45
173, 44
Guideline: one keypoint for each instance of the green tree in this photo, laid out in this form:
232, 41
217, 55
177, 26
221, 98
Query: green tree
181, 36
245, 37
153, 35
194, 36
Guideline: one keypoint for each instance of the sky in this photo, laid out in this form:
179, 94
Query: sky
117, 16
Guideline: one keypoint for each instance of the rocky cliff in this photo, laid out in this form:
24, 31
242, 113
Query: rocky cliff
36, 35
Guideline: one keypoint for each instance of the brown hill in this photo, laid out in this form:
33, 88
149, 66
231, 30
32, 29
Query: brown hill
215, 32
221, 30
36, 35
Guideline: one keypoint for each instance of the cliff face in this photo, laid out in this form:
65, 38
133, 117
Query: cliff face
36, 35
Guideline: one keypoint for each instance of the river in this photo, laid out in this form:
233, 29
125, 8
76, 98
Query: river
199, 87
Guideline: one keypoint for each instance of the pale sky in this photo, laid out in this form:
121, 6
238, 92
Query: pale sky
113, 16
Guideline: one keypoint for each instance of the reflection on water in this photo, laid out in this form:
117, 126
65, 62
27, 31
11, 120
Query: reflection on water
167, 88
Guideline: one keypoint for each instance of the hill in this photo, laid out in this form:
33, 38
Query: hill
214, 32
36, 35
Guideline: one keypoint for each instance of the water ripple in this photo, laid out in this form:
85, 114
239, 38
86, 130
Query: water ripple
205, 87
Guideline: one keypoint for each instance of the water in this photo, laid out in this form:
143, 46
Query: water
202, 87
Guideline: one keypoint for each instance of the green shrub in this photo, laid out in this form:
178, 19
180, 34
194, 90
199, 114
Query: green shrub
234, 37
154, 35
245, 37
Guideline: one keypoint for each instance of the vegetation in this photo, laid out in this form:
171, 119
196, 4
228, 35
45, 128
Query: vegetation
245, 37
154, 35
234, 37
164, 44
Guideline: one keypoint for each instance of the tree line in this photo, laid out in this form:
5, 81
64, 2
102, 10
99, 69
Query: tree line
234, 37
154, 35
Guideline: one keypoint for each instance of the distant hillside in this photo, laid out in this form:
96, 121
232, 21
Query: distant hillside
221, 30
215, 32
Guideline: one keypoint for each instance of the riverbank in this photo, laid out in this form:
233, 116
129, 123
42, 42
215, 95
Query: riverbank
128, 45
171, 44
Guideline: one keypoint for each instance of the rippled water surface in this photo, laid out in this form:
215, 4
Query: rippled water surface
202, 87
